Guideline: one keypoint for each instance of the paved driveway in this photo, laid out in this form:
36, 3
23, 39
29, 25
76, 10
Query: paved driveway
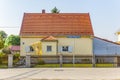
60, 74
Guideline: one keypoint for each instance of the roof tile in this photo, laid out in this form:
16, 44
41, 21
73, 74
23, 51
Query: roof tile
62, 23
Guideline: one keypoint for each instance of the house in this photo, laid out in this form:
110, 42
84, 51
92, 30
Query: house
64, 34
68, 34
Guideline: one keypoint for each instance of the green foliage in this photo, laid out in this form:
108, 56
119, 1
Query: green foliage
16, 56
1, 57
12, 40
3, 34
6, 50
2, 54
1, 42
55, 10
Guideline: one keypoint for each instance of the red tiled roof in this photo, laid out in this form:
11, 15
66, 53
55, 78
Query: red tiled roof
56, 24
15, 48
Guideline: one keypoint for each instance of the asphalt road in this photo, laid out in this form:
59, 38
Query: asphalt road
60, 74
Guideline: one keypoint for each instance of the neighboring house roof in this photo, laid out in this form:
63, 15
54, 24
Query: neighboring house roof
56, 24
15, 48
107, 40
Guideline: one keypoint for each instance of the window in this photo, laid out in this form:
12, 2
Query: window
49, 48
64, 48
73, 36
23, 43
31, 49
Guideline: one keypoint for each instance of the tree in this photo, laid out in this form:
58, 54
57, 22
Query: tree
55, 10
12, 40
1, 42
3, 35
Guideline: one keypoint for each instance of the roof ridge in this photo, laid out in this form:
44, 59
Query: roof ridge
56, 13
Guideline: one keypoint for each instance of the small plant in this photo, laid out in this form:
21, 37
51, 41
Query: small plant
16, 56
1, 57
41, 62
6, 50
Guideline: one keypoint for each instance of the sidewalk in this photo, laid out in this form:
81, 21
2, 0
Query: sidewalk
60, 74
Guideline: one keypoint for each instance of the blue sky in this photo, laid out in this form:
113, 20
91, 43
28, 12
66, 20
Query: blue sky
105, 14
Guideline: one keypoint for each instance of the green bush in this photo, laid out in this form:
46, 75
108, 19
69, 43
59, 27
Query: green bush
6, 50
16, 56
2, 56
41, 62
0, 61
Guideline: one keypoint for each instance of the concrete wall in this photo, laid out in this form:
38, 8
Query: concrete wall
79, 46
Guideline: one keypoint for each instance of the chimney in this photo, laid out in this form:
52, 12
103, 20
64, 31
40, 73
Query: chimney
43, 11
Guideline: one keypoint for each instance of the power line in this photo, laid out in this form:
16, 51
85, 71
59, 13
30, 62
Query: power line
9, 27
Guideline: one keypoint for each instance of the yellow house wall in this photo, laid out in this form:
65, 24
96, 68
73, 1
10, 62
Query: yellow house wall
81, 46
54, 48
27, 42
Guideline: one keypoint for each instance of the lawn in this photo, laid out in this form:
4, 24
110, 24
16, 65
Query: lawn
72, 65
3, 66
46, 65
64, 65
104, 65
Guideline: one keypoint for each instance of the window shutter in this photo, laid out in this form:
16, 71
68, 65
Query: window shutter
27, 49
59, 49
70, 49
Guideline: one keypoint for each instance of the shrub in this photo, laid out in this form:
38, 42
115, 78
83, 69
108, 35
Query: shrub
16, 56
6, 50
2, 55
0, 60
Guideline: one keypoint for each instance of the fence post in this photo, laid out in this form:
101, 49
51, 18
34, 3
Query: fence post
61, 60
10, 60
115, 61
28, 62
93, 61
